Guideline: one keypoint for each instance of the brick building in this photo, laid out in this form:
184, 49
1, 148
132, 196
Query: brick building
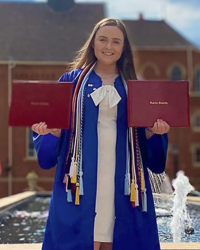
39, 39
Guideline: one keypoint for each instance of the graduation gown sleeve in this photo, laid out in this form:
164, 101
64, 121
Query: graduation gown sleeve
154, 151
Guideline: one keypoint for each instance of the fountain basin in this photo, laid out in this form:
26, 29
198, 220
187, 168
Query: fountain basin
24, 197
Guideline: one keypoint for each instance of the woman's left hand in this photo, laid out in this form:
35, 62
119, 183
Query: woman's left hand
160, 127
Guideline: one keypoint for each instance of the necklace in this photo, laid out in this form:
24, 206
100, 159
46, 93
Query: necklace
105, 78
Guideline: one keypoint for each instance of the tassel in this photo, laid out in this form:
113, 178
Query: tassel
142, 181
127, 184
66, 179
68, 182
136, 196
74, 179
71, 171
68, 163
77, 199
81, 183
132, 197
144, 201
69, 195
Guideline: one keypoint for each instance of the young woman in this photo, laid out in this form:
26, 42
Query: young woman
106, 200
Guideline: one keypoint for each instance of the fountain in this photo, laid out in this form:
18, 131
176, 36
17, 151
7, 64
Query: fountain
180, 220
178, 215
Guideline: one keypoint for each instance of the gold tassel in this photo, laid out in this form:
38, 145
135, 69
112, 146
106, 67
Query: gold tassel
142, 181
77, 199
132, 197
73, 179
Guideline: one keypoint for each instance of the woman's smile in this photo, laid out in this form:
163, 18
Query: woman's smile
108, 53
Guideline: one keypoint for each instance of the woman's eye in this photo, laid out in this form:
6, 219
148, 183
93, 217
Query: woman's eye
117, 42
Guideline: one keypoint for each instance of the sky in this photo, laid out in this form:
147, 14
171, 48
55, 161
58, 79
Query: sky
181, 15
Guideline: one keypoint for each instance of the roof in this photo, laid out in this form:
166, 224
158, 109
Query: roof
34, 32
155, 34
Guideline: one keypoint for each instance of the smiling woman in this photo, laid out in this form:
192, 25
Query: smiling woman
106, 202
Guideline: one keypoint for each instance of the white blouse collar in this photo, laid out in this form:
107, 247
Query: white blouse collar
99, 94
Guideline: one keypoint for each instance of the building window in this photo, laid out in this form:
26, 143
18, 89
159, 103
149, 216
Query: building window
195, 121
197, 80
31, 153
197, 156
149, 70
195, 150
176, 74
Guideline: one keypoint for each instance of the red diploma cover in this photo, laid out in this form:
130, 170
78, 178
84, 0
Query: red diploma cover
41, 101
152, 100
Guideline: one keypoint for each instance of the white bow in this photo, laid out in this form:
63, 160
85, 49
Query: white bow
99, 94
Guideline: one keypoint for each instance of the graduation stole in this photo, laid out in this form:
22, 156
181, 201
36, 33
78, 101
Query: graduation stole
134, 184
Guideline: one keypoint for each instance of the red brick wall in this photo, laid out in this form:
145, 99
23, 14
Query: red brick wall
162, 59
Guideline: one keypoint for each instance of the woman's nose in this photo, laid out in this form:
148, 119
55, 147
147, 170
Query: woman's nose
109, 45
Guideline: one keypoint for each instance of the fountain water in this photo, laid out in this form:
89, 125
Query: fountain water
180, 220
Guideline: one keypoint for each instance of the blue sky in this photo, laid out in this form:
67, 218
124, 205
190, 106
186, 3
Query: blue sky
182, 15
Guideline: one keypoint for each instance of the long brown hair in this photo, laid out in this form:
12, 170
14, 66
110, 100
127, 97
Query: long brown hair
86, 54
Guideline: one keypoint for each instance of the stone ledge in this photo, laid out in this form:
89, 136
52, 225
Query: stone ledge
190, 199
180, 246
20, 246
6, 201
164, 246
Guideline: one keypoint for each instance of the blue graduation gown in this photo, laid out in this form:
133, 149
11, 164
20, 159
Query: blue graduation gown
70, 226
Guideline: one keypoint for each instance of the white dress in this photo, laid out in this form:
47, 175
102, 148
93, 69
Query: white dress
107, 98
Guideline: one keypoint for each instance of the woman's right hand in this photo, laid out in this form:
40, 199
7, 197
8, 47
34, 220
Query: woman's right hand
42, 129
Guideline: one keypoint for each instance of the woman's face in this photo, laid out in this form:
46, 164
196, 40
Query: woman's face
108, 44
